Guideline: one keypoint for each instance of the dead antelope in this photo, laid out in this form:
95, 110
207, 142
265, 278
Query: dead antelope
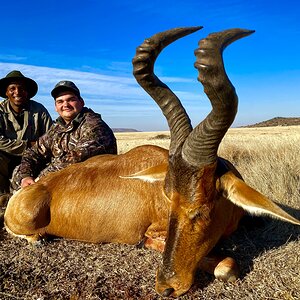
181, 201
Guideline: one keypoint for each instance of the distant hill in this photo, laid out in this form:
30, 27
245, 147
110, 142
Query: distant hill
278, 121
124, 130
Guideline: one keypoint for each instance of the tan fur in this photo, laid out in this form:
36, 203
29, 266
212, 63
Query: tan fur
95, 204
98, 205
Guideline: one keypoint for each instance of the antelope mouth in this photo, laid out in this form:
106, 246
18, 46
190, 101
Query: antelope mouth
171, 287
169, 291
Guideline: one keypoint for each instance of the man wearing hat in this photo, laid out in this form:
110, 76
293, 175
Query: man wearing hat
77, 134
22, 122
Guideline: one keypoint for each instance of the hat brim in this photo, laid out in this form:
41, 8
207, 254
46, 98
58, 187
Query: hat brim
31, 85
59, 89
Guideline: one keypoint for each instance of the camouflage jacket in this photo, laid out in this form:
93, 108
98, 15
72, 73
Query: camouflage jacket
13, 137
87, 135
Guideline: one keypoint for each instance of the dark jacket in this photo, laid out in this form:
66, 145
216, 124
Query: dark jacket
87, 135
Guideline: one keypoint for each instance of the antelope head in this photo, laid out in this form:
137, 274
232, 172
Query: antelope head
199, 215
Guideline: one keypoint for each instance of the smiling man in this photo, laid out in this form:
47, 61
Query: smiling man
77, 134
22, 122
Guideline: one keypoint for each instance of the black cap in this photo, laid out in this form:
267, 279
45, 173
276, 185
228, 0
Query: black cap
65, 85
16, 76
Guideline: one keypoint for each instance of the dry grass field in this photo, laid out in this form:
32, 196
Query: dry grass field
268, 251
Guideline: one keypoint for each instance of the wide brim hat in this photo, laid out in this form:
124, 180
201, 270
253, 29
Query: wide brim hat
16, 76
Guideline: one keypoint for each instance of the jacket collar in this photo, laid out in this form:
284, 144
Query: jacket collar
8, 109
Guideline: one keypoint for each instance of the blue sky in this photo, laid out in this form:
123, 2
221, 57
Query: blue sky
92, 43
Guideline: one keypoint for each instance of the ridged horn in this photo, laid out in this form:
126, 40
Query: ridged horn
143, 70
201, 146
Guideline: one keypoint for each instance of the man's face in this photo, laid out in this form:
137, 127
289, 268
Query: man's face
68, 105
17, 95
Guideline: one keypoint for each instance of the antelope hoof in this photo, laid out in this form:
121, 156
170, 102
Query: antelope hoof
227, 270
32, 239
157, 244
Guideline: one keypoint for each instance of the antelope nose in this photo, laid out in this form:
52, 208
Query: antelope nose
167, 292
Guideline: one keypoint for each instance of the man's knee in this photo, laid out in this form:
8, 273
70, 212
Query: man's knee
4, 173
15, 183
8, 166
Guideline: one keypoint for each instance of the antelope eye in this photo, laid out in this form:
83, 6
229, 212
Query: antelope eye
194, 214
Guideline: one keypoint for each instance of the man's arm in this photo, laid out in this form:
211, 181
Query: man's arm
36, 158
11, 146
45, 122
33, 162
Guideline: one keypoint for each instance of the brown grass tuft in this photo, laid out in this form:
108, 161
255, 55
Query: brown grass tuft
160, 137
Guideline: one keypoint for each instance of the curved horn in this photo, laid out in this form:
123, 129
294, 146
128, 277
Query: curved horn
143, 70
201, 146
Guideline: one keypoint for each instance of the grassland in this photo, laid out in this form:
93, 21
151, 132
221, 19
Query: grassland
268, 251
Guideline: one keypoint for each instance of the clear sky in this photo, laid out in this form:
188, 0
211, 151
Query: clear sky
92, 43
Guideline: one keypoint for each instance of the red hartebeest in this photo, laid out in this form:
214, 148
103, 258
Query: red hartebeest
187, 196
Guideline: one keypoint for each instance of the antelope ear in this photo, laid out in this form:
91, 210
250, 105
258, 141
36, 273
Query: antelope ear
238, 192
156, 173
